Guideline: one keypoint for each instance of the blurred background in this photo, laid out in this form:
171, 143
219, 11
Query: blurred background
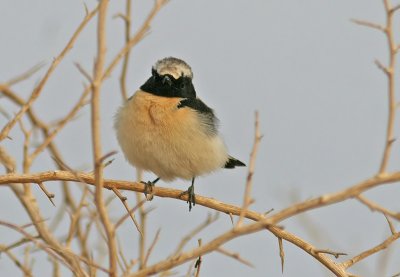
303, 65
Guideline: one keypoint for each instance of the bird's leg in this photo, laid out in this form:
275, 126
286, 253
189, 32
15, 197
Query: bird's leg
148, 188
191, 196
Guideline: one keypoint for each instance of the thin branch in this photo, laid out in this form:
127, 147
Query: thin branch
281, 253
371, 251
392, 48
25, 75
131, 211
369, 24
198, 263
233, 233
36, 92
376, 207
158, 4
330, 252
131, 214
127, 20
151, 248
247, 194
209, 220
49, 195
14, 259
42, 246
83, 72
233, 255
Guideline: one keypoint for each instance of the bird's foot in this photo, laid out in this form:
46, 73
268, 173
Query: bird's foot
148, 189
191, 196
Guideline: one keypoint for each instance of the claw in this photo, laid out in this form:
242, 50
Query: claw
148, 188
191, 196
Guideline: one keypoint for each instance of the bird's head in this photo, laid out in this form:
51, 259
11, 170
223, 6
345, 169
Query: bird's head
171, 77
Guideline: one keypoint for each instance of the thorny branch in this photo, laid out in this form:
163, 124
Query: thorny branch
59, 250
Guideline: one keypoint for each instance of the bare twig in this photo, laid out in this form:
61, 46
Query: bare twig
330, 252
24, 269
281, 253
151, 248
209, 220
25, 75
198, 263
131, 214
369, 24
235, 256
376, 207
124, 217
49, 195
36, 92
96, 139
247, 194
392, 47
371, 251
127, 19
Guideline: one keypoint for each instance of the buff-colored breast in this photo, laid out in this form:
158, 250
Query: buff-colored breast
173, 143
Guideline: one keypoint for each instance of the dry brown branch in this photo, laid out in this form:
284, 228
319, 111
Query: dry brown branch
392, 47
18, 243
143, 221
31, 207
281, 253
330, 252
36, 92
214, 204
369, 24
7, 160
371, 251
25, 75
233, 233
49, 195
14, 259
51, 135
376, 207
198, 263
247, 194
391, 227
209, 220
158, 4
40, 245
82, 264
127, 20
233, 255
151, 248
124, 217
84, 72
96, 138
130, 213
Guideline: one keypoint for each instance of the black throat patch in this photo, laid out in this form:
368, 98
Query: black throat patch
167, 86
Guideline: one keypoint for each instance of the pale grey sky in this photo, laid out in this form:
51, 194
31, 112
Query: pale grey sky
302, 64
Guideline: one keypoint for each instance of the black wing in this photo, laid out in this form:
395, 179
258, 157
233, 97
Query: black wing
206, 114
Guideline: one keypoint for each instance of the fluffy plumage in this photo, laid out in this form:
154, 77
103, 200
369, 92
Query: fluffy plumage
166, 129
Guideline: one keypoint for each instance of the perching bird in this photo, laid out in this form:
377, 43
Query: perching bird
164, 128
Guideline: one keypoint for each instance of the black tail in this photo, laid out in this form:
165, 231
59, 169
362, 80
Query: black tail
232, 163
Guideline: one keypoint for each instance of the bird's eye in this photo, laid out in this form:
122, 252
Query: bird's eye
182, 86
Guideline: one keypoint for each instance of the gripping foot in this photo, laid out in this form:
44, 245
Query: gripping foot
191, 196
148, 188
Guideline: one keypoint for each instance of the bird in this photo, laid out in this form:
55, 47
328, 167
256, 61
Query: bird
166, 129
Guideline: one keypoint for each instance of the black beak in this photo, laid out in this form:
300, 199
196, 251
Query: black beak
167, 80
